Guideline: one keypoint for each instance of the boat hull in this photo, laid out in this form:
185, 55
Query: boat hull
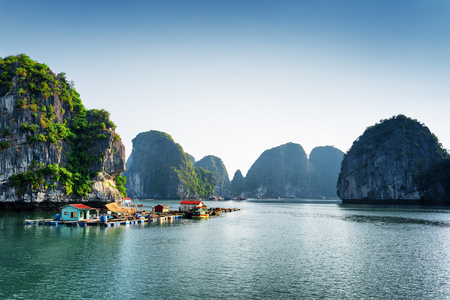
201, 216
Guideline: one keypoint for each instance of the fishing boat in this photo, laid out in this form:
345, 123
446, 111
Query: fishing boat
123, 207
136, 200
200, 213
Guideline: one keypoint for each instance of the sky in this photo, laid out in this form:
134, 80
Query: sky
233, 78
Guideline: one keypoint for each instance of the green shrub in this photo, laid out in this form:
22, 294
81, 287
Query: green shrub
6, 132
120, 185
4, 145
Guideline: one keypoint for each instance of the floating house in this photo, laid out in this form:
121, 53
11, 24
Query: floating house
126, 201
75, 212
190, 205
162, 208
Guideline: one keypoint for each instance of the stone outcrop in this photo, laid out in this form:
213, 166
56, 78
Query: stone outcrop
283, 171
43, 123
159, 168
238, 185
216, 166
393, 162
327, 163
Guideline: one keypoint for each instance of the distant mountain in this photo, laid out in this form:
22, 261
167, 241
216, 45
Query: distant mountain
215, 165
159, 168
396, 161
238, 184
327, 163
283, 171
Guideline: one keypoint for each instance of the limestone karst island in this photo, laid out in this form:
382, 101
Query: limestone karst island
55, 152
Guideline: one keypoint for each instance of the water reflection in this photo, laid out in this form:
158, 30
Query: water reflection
393, 220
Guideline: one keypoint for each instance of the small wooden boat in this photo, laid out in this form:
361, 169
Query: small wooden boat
200, 213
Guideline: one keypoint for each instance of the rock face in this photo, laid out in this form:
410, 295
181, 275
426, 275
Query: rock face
216, 166
283, 171
390, 163
159, 168
327, 163
52, 149
238, 185
191, 158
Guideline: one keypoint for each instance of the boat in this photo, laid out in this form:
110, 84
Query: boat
200, 213
123, 207
136, 200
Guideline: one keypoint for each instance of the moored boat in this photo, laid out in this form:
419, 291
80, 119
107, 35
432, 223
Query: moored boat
200, 213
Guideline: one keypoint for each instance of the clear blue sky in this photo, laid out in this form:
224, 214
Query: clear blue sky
234, 78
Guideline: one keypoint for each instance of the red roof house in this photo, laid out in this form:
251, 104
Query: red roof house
189, 205
191, 202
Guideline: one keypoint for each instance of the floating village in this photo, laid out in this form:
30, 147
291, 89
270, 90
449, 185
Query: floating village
126, 213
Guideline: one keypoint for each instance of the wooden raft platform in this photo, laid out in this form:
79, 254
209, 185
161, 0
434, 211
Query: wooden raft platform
112, 221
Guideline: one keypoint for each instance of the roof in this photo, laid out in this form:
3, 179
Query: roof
163, 205
79, 206
126, 198
191, 202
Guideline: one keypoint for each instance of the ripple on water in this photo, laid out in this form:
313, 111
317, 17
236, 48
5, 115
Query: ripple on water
267, 251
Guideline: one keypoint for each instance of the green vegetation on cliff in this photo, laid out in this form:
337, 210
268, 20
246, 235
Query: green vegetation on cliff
120, 185
216, 166
193, 181
412, 130
37, 174
36, 89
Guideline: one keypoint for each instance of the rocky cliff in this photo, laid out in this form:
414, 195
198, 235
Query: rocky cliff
216, 166
327, 163
53, 150
393, 162
238, 185
159, 168
283, 171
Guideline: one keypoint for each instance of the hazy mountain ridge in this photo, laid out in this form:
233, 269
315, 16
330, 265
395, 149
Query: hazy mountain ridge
238, 184
283, 171
327, 163
286, 171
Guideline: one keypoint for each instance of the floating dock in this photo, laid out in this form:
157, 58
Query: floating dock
135, 219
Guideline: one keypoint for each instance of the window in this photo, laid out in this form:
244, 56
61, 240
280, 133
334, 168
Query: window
66, 213
73, 214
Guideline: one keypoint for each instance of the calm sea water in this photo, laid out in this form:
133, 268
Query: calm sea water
269, 250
